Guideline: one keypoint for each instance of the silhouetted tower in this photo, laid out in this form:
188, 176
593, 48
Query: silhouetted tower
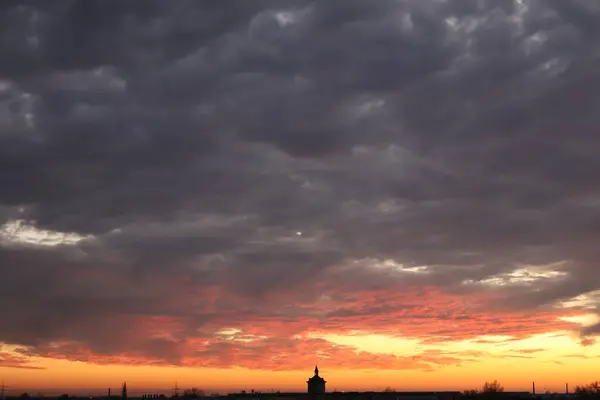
124, 391
316, 384
176, 390
533, 388
566, 388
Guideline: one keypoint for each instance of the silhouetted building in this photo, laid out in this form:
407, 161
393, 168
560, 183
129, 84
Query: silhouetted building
124, 391
316, 384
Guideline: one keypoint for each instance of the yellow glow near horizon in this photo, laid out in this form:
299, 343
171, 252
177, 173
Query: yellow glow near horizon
374, 343
550, 359
515, 375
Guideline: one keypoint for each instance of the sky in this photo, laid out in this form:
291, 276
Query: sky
224, 193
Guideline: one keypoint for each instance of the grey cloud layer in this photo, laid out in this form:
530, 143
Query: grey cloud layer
193, 140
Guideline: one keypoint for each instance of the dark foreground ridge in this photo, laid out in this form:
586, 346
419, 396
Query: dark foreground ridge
369, 395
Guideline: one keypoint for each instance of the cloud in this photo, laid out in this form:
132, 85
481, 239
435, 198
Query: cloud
530, 351
9, 360
437, 158
272, 354
588, 341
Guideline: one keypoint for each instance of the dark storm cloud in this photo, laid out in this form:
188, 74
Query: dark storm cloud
255, 146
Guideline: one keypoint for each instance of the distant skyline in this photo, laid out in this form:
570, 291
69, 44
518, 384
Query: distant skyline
224, 193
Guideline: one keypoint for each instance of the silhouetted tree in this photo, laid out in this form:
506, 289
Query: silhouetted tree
491, 390
389, 389
492, 387
471, 393
591, 389
25, 396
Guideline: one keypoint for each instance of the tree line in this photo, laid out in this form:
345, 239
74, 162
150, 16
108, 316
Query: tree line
491, 388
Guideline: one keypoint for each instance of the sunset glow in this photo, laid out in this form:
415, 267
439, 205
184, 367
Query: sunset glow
222, 194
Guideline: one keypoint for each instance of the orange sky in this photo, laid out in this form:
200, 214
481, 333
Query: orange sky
396, 331
357, 361
417, 338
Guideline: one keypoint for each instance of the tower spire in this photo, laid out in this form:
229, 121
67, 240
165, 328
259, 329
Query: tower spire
316, 384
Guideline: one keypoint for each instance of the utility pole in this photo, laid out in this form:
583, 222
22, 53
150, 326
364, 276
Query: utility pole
3, 388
